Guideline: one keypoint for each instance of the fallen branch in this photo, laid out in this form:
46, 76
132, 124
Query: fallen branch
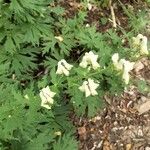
113, 15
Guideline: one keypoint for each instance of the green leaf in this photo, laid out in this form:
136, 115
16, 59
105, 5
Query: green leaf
143, 86
9, 45
94, 104
39, 142
90, 38
67, 142
22, 62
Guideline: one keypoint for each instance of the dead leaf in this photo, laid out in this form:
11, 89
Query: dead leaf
128, 147
138, 66
81, 130
124, 110
142, 108
108, 99
106, 145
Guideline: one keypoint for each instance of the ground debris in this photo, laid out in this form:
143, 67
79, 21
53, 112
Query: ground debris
142, 108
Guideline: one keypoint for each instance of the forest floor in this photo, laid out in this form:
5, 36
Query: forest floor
124, 123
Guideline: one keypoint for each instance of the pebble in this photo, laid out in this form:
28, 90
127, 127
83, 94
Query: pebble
115, 123
138, 66
143, 99
100, 144
140, 133
147, 148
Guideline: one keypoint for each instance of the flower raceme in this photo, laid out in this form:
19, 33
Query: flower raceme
89, 87
46, 96
118, 64
89, 59
124, 65
140, 42
128, 66
63, 67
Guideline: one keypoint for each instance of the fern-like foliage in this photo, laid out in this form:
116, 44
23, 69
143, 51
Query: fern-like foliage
24, 125
20, 63
65, 143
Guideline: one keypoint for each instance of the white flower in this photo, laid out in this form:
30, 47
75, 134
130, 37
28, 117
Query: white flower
89, 87
118, 64
26, 97
59, 38
136, 40
46, 96
140, 42
85, 88
123, 65
87, 25
89, 5
58, 133
128, 66
63, 67
90, 59
115, 59
143, 48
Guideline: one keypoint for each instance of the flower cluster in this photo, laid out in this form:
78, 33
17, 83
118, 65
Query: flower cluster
140, 42
63, 67
124, 65
117, 63
89, 87
89, 59
46, 96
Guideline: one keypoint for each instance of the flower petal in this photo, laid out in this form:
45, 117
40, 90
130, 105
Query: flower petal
63, 67
90, 59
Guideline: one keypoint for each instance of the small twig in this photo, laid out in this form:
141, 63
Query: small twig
116, 24
113, 15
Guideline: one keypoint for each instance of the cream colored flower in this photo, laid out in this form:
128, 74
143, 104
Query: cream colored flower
63, 67
143, 48
140, 42
59, 38
128, 66
136, 40
89, 87
58, 133
85, 88
118, 64
115, 58
87, 25
89, 59
46, 96
26, 97
126, 77
89, 5
123, 65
